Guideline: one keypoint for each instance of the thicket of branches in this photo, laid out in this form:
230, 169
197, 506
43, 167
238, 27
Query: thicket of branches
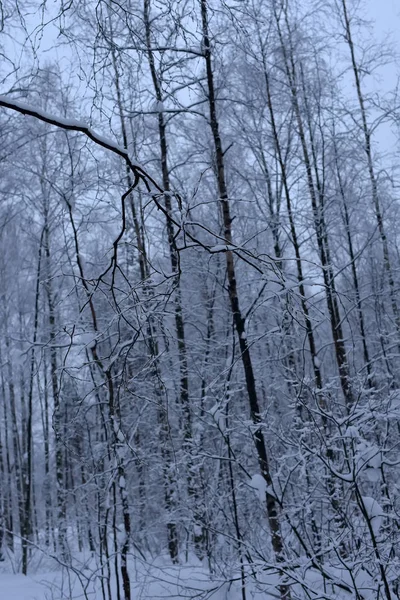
200, 310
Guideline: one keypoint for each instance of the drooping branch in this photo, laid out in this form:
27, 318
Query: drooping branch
140, 174
79, 126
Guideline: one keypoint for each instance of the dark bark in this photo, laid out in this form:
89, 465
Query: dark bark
239, 321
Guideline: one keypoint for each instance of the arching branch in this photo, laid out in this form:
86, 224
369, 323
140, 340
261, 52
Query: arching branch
79, 126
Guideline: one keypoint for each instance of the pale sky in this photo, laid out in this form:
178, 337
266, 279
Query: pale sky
385, 15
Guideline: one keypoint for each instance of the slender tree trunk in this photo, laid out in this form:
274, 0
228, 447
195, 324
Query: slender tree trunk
198, 529
316, 196
371, 170
46, 449
8, 504
114, 422
293, 231
356, 284
27, 527
169, 480
17, 459
57, 422
3, 498
258, 436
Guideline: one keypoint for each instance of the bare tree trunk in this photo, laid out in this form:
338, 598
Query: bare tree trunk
293, 231
54, 369
271, 503
114, 424
371, 171
27, 526
169, 480
3, 495
44, 405
198, 533
356, 284
317, 199
17, 459
8, 504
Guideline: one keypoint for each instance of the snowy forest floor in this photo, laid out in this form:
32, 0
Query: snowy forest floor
155, 579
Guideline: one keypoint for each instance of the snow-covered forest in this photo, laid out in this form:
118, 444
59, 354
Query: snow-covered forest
199, 301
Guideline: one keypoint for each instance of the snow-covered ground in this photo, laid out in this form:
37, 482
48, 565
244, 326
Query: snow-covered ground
154, 580
18, 587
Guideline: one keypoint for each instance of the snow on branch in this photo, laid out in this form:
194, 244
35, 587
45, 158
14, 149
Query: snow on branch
139, 172
81, 127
